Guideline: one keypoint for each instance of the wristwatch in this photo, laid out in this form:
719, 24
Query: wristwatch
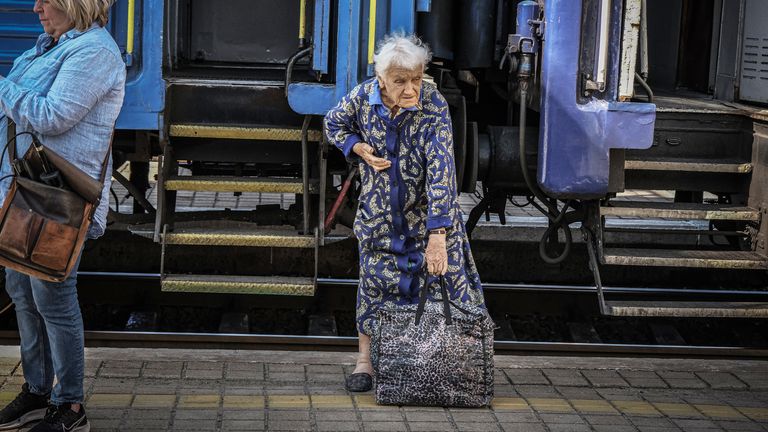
438, 231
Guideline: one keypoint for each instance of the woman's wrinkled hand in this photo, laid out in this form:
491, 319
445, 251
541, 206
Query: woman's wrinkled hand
437, 255
366, 153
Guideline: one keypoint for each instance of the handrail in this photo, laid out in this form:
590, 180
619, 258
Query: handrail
371, 30
302, 23
131, 27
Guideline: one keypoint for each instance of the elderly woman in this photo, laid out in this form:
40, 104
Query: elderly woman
398, 129
68, 91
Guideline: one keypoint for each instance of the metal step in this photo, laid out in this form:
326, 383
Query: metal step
666, 210
264, 285
687, 309
239, 236
237, 184
684, 258
241, 132
689, 165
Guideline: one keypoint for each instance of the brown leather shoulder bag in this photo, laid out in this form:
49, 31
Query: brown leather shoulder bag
47, 212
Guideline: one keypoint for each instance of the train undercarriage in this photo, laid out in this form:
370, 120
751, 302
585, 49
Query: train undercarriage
234, 125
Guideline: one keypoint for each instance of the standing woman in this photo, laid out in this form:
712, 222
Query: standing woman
397, 128
68, 91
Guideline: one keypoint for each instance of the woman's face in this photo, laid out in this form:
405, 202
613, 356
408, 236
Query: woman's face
54, 21
401, 87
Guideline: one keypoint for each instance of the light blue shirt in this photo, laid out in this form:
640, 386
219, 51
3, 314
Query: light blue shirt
69, 96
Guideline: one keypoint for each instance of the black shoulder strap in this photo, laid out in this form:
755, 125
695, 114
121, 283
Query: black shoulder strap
11, 142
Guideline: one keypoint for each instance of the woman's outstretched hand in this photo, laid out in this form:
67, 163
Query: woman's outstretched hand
437, 255
366, 153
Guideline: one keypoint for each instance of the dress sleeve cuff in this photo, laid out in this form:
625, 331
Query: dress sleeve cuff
349, 143
438, 222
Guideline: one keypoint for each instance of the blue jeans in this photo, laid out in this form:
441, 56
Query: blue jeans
51, 331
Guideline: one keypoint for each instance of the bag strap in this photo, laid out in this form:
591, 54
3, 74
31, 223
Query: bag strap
445, 300
11, 141
11, 129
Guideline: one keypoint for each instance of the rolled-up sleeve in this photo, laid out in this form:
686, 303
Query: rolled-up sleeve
83, 79
341, 126
441, 171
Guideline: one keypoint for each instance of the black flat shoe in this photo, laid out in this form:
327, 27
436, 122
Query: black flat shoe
359, 382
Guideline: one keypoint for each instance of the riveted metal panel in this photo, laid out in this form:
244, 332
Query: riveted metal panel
754, 55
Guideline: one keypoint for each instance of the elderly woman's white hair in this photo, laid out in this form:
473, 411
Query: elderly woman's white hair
83, 13
400, 50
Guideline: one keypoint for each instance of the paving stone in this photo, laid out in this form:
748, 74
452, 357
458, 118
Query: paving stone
151, 413
578, 393
102, 424
720, 412
426, 416
288, 415
335, 415
293, 426
430, 426
698, 424
154, 401
203, 373
606, 420
382, 416
191, 414
643, 379
565, 377
251, 414
205, 365
195, 425
285, 367
571, 419
510, 404
199, 401
374, 426
592, 406
550, 405
757, 381
324, 369
522, 427
722, 380
521, 417
106, 400
477, 427
338, 426
536, 391
619, 394
677, 410
638, 408
113, 372
568, 428
738, 426
472, 417
526, 376
613, 428
242, 425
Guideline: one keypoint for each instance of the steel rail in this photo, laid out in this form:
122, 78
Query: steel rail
497, 286
342, 343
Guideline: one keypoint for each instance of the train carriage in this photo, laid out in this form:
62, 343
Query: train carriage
568, 107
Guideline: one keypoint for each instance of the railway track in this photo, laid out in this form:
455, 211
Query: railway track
510, 340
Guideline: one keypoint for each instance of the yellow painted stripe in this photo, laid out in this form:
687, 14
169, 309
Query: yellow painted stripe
243, 402
288, 401
154, 401
371, 30
593, 406
212, 184
239, 239
199, 401
720, 412
510, 404
636, 408
302, 19
236, 132
331, 401
550, 405
131, 26
677, 410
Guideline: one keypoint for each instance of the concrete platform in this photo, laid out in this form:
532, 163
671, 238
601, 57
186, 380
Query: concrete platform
199, 390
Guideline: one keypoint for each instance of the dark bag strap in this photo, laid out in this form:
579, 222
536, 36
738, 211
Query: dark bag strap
11, 143
445, 300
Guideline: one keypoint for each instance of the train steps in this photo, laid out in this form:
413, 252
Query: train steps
678, 256
246, 236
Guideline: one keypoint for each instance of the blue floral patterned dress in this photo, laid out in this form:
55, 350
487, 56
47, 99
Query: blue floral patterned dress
400, 204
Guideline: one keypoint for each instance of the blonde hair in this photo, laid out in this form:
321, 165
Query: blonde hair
83, 13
